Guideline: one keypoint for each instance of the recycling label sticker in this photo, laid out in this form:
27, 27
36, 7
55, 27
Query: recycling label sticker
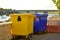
37, 19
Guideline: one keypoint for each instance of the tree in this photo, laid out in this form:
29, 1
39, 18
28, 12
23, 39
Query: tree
1, 8
57, 3
4, 9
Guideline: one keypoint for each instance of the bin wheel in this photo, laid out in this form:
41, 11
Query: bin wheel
45, 31
27, 39
14, 38
30, 36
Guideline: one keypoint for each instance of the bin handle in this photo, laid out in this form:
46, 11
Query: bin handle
19, 18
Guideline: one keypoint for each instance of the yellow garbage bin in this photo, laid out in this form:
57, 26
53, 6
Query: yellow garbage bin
22, 24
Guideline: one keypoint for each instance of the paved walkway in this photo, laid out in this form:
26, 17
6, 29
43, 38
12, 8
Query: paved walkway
47, 36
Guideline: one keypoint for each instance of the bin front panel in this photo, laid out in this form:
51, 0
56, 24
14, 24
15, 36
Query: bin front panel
19, 27
22, 26
41, 24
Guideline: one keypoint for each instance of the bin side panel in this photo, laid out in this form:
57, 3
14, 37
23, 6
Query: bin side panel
36, 26
30, 24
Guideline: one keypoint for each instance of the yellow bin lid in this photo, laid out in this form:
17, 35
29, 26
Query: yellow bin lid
25, 14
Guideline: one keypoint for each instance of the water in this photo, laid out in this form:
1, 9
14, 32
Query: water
4, 18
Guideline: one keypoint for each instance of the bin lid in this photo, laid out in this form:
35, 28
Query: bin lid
25, 14
41, 15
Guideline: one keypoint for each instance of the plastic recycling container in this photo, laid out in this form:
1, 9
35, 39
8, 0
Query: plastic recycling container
40, 22
22, 24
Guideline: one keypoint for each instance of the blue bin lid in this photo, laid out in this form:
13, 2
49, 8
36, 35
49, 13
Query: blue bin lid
37, 15
41, 15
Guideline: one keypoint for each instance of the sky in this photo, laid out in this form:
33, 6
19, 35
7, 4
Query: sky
28, 4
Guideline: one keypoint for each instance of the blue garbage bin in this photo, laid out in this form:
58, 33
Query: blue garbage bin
40, 22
